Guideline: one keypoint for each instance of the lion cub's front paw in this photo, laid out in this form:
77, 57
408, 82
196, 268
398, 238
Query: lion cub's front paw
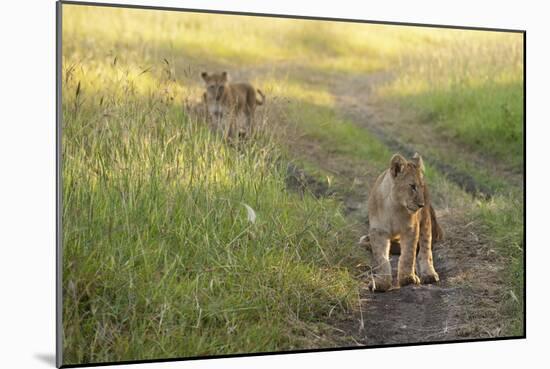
380, 284
408, 279
430, 278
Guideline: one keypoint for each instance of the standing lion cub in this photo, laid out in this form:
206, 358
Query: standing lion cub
226, 101
399, 209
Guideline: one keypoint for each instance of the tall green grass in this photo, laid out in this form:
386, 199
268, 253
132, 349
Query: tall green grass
160, 256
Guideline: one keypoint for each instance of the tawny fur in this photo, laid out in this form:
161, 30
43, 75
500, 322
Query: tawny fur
226, 101
400, 210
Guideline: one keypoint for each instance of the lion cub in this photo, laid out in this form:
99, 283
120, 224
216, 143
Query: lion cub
225, 101
399, 209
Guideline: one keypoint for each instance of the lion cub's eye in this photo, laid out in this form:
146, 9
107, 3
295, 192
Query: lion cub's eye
413, 186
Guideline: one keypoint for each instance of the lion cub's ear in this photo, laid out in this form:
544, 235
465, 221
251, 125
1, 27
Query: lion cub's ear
205, 76
397, 164
225, 76
417, 160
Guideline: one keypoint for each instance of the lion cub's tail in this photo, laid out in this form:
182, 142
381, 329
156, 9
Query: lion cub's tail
437, 232
260, 102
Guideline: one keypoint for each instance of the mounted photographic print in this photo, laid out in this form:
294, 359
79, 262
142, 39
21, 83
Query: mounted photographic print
236, 184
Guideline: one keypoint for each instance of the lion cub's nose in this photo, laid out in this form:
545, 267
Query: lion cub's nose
420, 206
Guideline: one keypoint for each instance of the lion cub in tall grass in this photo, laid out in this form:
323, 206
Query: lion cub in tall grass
400, 210
226, 101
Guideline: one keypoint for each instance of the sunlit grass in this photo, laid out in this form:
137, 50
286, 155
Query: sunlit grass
159, 257
292, 90
248, 41
340, 136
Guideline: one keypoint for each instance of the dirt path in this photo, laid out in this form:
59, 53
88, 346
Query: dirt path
465, 304
467, 301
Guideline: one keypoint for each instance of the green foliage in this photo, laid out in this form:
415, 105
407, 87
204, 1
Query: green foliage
471, 90
341, 136
502, 218
160, 259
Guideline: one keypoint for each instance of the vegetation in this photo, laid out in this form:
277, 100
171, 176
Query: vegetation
471, 89
160, 249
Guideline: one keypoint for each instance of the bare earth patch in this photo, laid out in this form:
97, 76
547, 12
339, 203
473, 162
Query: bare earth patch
464, 305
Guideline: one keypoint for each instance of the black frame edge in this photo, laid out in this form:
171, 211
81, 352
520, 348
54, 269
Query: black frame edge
287, 16
290, 352
525, 184
58, 188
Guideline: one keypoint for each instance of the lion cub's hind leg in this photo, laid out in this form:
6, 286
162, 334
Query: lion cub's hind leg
425, 265
380, 246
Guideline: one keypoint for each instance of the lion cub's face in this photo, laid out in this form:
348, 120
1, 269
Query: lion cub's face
408, 179
216, 83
